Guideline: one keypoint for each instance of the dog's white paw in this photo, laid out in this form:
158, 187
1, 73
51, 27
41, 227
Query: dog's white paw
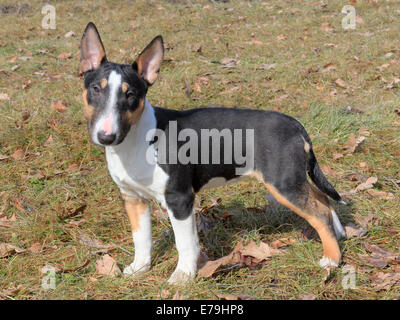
326, 263
136, 269
180, 277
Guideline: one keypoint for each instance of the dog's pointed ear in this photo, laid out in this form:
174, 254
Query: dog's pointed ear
149, 61
92, 49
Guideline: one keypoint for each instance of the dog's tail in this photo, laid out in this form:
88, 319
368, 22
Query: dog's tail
317, 176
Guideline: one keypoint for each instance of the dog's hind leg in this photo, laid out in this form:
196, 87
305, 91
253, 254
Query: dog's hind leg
312, 205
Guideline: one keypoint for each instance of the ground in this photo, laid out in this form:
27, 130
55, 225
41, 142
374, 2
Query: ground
290, 56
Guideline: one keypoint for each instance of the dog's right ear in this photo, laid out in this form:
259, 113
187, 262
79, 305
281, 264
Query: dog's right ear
92, 49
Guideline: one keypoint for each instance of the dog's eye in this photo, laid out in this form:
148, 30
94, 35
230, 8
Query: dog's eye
96, 89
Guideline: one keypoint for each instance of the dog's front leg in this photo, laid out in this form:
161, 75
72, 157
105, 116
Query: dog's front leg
187, 244
140, 219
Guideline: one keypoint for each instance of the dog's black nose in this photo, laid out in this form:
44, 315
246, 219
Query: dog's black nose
106, 139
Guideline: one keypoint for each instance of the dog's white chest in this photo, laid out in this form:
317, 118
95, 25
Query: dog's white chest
135, 177
129, 165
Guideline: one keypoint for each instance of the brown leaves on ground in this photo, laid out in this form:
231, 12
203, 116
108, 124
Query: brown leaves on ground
250, 255
6, 221
379, 257
60, 106
354, 231
384, 281
368, 184
223, 296
7, 250
95, 245
107, 266
353, 143
64, 55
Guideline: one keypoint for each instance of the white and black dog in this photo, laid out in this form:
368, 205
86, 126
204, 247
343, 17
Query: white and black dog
122, 120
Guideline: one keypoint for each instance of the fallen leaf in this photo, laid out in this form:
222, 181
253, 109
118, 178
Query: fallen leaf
354, 231
281, 243
64, 55
307, 296
261, 251
35, 247
266, 66
70, 34
281, 37
60, 106
353, 143
224, 296
367, 184
107, 266
3, 157
381, 194
384, 281
93, 243
230, 62
328, 67
354, 176
366, 221
18, 154
327, 170
7, 249
341, 84
336, 156
4, 96
250, 256
6, 221
380, 257
177, 296
12, 292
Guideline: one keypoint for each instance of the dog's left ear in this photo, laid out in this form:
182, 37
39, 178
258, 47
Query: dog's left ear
149, 61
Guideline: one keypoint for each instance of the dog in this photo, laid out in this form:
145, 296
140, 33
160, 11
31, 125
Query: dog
121, 119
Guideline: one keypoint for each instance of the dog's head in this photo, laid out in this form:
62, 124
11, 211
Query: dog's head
114, 94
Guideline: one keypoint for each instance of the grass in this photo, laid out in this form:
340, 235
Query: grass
56, 176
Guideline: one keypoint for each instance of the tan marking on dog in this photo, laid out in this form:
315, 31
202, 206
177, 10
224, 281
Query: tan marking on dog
135, 209
124, 87
132, 117
317, 204
307, 146
88, 110
103, 83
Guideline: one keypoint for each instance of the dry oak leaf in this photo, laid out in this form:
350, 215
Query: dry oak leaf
384, 281
341, 83
7, 249
228, 296
281, 243
354, 231
381, 194
60, 106
6, 221
353, 143
18, 154
367, 184
250, 255
64, 55
107, 266
380, 257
